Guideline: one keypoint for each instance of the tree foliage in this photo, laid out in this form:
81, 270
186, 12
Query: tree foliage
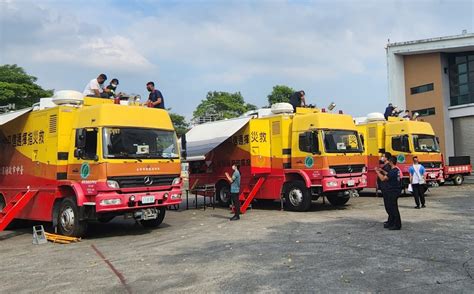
180, 124
280, 93
16, 86
223, 105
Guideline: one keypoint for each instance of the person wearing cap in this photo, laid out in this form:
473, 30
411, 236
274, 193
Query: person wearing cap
297, 99
95, 88
388, 111
111, 88
155, 99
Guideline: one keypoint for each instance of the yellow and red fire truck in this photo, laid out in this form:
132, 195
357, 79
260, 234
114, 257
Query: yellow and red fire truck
404, 139
295, 157
71, 159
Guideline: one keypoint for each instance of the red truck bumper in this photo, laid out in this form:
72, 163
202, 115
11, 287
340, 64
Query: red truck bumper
331, 184
116, 202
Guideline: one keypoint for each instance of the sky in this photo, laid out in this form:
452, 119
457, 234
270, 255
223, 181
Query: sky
334, 50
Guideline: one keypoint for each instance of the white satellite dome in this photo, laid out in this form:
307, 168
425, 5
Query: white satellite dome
68, 97
375, 116
279, 108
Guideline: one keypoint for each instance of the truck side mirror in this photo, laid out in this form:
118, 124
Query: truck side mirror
184, 153
314, 143
405, 144
80, 138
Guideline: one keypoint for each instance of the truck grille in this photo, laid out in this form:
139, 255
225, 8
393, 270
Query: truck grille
348, 169
144, 181
431, 164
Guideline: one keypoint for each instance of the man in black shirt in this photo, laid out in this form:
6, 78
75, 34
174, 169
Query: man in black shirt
297, 99
382, 186
393, 191
389, 111
155, 99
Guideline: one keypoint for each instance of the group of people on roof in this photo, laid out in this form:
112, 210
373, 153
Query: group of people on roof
95, 88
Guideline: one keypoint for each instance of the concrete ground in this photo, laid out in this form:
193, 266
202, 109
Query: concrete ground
324, 250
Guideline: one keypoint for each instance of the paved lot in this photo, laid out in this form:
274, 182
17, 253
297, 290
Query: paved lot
325, 250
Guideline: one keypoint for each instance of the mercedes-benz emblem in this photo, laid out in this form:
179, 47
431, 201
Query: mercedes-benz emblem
148, 181
350, 169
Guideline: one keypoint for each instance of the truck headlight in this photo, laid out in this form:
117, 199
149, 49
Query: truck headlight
115, 201
332, 184
176, 181
113, 184
332, 171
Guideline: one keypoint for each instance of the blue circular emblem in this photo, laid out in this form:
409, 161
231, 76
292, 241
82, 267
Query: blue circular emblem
401, 158
309, 161
85, 170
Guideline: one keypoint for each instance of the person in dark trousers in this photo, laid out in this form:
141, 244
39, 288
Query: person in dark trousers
235, 190
155, 99
417, 181
383, 185
388, 111
393, 191
297, 99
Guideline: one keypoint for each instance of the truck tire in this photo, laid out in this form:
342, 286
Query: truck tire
223, 194
297, 196
338, 199
68, 219
153, 223
458, 180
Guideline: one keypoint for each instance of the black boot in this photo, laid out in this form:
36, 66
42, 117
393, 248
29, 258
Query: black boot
235, 217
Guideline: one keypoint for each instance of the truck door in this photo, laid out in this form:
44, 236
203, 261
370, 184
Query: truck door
260, 147
85, 162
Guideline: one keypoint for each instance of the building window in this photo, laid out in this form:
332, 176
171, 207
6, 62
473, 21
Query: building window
461, 78
426, 111
422, 89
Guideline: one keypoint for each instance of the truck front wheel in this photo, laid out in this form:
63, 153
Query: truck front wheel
338, 198
68, 219
153, 223
297, 196
458, 180
223, 194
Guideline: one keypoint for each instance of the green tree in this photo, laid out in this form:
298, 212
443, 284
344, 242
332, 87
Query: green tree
180, 124
280, 93
223, 105
16, 86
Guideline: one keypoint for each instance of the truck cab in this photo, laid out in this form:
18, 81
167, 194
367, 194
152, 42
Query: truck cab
90, 159
403, 139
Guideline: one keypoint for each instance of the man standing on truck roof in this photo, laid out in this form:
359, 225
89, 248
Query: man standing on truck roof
393, 190
382, 186
235, 190
297, 99
95, 88
388, 111
155, 99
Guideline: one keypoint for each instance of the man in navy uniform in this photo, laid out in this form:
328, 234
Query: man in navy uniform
393, 191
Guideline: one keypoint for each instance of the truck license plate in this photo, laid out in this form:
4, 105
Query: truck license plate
148, 199
350, 183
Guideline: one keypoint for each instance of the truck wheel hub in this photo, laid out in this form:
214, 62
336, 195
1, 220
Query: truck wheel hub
67, 218
296, 197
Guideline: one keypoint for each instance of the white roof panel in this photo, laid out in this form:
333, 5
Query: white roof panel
9, 116
204, 138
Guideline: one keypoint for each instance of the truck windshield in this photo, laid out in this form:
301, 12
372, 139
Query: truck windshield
425, 143
139, 143
341, 141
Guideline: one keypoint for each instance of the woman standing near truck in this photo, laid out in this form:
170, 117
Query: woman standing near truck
235, 190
